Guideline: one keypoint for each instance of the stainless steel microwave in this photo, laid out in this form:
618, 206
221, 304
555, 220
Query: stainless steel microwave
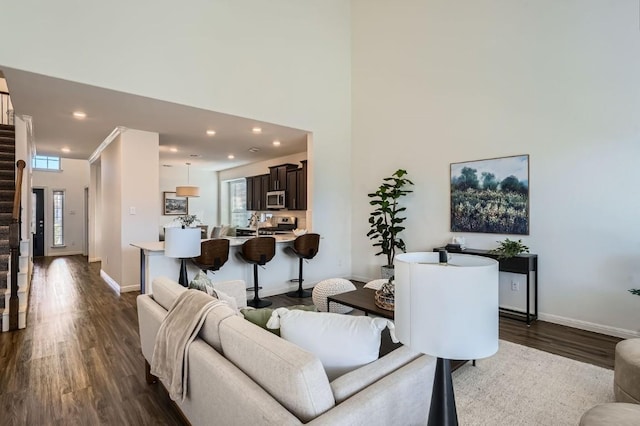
276, 199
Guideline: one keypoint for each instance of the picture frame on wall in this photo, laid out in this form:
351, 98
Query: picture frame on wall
491, 196
174, 205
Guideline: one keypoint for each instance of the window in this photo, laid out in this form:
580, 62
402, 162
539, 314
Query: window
58, 221
44, 162
236, 203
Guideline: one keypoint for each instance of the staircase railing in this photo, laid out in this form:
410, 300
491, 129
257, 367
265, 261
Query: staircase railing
6, 109
14, 247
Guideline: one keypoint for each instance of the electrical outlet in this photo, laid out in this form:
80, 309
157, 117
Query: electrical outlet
515, 286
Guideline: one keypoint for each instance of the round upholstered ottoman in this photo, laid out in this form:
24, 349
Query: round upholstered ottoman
612, 414
626, 377
330, 287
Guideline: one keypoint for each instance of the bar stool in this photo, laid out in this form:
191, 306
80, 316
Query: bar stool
305, 247
213, 254
258, 251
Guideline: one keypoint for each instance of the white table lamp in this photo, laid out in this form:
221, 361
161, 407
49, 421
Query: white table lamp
449, 311
182, 243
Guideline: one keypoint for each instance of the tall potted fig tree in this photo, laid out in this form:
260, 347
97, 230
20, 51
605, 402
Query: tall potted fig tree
385, 220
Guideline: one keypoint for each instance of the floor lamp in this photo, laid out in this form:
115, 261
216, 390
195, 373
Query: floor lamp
447, 310
182, 243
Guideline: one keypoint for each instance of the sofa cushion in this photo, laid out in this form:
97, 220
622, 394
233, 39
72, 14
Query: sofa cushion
291, 375
341, 342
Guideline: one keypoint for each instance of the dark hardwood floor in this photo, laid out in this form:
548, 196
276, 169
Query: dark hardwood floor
79, 360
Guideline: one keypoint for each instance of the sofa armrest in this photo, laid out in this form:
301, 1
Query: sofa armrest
400, 398
348, 384
234, 288
150, 316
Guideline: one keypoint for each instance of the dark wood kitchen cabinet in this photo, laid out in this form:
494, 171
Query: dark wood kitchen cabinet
278, 176
297, 188
257, 187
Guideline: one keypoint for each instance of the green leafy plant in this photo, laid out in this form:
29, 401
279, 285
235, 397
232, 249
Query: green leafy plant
635, 291
509, 248
385, 221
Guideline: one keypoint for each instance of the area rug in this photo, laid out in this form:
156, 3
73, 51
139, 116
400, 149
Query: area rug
525, 386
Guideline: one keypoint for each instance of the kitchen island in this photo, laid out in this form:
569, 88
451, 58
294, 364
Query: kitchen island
274, 278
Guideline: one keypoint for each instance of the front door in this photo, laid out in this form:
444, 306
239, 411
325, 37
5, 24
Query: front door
38, 237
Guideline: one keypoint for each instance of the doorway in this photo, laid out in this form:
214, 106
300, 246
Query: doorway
38, 237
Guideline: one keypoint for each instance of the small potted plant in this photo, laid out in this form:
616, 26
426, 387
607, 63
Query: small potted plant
386, 220
509, 248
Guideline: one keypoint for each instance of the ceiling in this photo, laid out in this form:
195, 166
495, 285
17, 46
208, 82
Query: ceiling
51, 102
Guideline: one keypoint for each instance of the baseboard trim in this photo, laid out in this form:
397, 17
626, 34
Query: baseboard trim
94, 259
128, 288
589, 326
110, 281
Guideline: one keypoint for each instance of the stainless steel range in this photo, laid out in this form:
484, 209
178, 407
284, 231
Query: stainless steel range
279, 225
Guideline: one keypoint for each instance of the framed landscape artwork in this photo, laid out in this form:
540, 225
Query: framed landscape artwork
491, 196
174, 205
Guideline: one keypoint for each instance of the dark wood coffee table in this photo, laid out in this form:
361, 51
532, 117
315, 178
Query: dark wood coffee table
363, 300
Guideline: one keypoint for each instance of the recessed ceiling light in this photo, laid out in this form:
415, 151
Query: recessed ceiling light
65, 150
167, 165
231, 156
195, 155
79, 114
173, 149
276, 143
254, 149
256, 130
211, 132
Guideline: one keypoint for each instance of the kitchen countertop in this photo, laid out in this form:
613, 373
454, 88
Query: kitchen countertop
158, 246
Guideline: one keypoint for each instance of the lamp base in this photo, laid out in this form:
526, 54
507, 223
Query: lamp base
443, 404
183, 280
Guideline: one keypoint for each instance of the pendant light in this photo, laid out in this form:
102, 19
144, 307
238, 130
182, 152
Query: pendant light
188, 190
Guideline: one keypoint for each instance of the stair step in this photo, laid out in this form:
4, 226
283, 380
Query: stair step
6, 195
8, 156
6, 184
7, 134
5, 218
7, 127
7, 174
6, 206
6, 164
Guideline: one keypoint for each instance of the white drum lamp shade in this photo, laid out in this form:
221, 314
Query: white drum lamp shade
182, 243
449, 311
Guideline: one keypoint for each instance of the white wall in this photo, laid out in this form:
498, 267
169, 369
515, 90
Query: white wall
72, 179
129, 205
285, 62
205, 206
111, 224
139, 200
446, 82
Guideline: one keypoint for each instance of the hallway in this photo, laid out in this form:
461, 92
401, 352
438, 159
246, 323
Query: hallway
79, 360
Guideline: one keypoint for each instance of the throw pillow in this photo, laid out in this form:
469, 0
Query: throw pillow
203, 283
261, 316
341, 342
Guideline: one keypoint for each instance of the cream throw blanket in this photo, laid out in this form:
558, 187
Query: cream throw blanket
170, 361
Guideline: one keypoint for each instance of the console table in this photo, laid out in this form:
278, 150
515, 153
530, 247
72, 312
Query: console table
525, 264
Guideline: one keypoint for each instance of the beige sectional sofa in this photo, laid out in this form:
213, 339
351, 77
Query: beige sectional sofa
241, 374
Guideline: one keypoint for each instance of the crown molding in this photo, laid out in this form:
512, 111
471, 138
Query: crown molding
106, 142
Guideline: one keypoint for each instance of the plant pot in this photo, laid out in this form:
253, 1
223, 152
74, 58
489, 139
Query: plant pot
387, 271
